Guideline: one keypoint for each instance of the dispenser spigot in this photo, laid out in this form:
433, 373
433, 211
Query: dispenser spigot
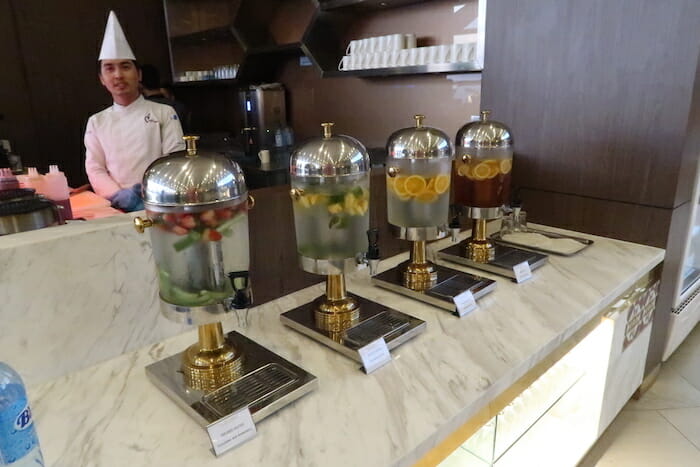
454, 225
242, 291
371, 258
373, 255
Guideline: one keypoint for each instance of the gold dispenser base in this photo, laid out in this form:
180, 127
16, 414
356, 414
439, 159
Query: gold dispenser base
478, 247
420, 274
212, 362
336, 311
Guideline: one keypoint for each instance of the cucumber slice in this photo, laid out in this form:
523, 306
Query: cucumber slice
191, 238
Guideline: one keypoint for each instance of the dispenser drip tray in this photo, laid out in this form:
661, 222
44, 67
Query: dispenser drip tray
375, 321
449, 284
268, 383
505, 258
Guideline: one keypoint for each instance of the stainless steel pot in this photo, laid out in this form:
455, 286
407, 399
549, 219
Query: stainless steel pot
21, 215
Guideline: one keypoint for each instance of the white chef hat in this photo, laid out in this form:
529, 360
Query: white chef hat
114, 44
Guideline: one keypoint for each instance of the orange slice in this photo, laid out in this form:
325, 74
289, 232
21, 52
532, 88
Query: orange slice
464, 171
400, 186
427, 197
431, 186
415, 185
442, 184
506, 165
481, 171
493, 168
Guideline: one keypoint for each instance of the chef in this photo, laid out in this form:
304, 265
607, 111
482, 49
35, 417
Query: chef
122, 140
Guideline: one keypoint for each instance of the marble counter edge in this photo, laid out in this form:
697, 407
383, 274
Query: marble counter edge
72, 228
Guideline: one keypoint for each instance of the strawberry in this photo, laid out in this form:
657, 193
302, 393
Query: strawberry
187, 221
214, 236
177, 230
209, 218
224, 213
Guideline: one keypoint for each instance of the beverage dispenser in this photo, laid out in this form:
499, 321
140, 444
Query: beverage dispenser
330, 179
482, 182
418, 179
197, 214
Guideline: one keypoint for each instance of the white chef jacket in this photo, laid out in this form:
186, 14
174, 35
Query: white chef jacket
121, 141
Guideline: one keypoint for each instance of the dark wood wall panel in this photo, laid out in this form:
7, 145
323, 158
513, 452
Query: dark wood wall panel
16, 113
632, 222
597, 93
60, 44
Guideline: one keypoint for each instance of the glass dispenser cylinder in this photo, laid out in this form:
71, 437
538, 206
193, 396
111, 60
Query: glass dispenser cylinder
197, 207
482, 171
418, 177
330, 199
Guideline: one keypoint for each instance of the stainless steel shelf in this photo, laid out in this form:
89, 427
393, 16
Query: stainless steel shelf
205, 83
365, 5
441, 68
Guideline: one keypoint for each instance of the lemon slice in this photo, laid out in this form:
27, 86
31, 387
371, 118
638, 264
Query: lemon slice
464, 171
481, 171
442, 183
506, 165
400, 186
415, 185
427, 197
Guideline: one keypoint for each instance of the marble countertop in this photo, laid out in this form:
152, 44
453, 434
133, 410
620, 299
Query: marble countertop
111, 414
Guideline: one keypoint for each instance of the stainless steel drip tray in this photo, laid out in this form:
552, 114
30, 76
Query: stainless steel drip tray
375, 321
450, 283
505, 258
269, 382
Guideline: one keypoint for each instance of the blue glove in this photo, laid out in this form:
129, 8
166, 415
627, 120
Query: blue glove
128, 199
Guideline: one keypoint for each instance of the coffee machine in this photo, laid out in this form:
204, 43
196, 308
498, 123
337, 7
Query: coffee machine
330, 198
264, 113
197, 214
482, 180
419, 163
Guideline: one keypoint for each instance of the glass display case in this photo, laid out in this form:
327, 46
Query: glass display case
691, 262
685, 308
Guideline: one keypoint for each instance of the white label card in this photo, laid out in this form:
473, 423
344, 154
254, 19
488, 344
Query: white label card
374, 355
231, 431
464, 303
522, 272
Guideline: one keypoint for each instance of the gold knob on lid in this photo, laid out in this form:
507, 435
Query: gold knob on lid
296, 193
191, 143
485, 115
419, 120
393, 171
142, 224
327, 126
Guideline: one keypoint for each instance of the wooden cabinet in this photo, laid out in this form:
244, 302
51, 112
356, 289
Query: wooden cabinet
227, 40
201, 39
258, 34
434, 22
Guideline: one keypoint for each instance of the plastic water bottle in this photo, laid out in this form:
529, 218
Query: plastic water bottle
19, 445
